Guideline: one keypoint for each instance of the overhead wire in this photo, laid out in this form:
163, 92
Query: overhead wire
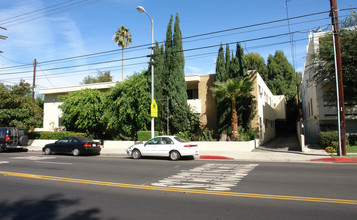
145, 45
192, 49
20, 19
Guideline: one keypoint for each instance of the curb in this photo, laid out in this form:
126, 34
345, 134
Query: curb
337, 160
209, 157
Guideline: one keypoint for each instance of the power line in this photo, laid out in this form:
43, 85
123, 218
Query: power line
145, 45
112, 51
30, 16
195, 56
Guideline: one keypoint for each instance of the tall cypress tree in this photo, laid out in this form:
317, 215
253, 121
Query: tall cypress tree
228, 59
160, 78
177, 94
241, 61
221, 75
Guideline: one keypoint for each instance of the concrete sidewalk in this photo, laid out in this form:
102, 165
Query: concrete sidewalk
264, 154
281, 149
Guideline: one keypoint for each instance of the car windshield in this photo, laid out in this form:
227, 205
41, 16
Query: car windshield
84, 139
180, 140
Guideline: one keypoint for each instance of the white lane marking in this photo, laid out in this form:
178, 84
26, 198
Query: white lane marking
3, 162
34, 158
61, 163
219, 177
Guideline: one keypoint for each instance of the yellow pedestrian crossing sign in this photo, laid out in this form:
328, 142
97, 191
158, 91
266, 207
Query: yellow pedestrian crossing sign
154, 109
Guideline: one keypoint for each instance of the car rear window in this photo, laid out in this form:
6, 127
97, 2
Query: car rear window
180, 140
3, 133
22, 132
84, 139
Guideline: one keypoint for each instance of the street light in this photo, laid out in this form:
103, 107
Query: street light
141, 10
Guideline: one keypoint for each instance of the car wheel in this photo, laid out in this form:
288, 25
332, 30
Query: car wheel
174, 155
76, 152
136, 154
23, 140
48, 151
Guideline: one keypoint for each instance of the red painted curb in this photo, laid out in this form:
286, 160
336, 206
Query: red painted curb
215, 157
337, 160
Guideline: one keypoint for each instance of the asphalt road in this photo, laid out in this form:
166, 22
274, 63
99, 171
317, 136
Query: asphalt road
37, 186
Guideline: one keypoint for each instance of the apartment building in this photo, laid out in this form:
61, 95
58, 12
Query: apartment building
318, 113
270, 108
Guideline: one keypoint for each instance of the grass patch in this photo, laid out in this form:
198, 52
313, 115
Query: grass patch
347, 156
352, 149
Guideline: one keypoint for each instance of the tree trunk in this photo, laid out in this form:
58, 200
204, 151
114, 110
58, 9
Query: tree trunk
122, 64
234, 122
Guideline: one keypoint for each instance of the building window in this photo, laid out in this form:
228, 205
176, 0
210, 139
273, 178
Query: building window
192, 94
312, 112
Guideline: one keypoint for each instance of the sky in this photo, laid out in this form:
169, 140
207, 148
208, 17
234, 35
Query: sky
71, 39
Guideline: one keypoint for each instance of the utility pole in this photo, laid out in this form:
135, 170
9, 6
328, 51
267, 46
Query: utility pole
339, 79
34, 81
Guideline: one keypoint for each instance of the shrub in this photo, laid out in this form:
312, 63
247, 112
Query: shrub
145, 135
246, 134
53, 135
185, 135
327, 137
352, 139
207, 135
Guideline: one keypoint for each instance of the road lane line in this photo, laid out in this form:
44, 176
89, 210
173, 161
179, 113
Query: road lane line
169, 189
60, 163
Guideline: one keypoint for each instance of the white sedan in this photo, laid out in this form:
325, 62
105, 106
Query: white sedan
165, 146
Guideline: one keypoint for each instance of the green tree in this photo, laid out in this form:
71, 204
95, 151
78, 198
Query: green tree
281, 76
127, 107
17, 109
221, 73
231, 92
282, 81
177, 88
101, 77
324, 65
122, 38
160, 77
238, 65
230, 68
256, 62
82, 111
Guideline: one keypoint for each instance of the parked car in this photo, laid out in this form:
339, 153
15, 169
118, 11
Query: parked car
73, 145
13, 138
165, 146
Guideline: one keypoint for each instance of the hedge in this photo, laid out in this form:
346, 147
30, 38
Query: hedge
145, 135
327, 137
352, 139
49, 135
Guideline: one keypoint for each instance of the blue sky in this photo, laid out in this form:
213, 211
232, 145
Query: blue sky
87, 27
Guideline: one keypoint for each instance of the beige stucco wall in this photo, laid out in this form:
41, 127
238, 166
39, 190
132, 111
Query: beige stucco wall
208, 102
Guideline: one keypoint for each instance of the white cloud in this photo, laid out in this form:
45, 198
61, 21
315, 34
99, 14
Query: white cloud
46, 38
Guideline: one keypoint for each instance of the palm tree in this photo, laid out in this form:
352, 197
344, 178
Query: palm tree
122, 38
232, 90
